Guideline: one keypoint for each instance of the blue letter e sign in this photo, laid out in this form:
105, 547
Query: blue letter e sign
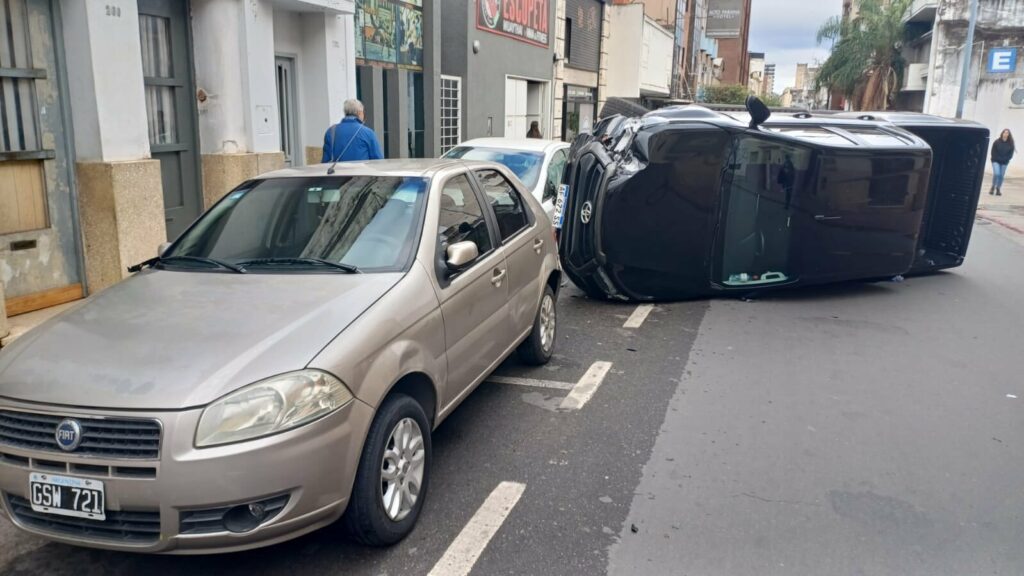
1002, 61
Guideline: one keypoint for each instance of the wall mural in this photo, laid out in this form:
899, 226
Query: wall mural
390, 33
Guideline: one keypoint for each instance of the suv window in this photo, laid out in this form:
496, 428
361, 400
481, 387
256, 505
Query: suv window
505, 201
462, 217
555, 172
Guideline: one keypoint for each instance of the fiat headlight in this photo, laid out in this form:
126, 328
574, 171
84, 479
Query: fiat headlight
271, 406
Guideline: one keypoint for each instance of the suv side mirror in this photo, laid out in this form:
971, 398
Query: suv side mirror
461, 254
759, 112
162, 248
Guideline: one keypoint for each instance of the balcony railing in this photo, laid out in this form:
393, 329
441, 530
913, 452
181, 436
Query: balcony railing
921, 11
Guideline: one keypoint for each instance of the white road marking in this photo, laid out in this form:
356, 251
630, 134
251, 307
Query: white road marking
585, 388
463, 553
531, 382
636, 319
1011, 396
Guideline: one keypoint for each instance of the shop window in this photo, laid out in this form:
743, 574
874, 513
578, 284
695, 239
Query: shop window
451, 112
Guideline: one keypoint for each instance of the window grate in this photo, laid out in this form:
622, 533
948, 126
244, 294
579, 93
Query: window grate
451, 112
19, 122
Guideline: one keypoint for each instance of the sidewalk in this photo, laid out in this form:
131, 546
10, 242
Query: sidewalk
1005, 212
24, 322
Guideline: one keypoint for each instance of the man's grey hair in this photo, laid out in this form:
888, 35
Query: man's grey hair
353, 107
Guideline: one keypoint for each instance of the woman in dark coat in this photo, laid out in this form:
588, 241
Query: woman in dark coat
534, 130
1002, 153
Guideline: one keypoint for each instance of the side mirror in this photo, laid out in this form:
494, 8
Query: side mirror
758, 110
461, 254
162, 248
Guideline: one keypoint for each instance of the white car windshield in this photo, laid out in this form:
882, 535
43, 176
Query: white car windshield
525, 165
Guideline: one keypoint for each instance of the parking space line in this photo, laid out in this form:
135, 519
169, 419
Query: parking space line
585, 388
636, 319
530, 382
463, 553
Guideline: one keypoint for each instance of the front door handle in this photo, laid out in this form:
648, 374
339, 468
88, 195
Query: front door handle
822, 218
538, 244
498, 276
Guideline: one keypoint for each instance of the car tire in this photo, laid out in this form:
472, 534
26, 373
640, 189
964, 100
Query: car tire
538, 347
622, 107
367, 520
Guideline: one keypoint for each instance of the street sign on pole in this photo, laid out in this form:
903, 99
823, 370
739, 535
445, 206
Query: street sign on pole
968, 52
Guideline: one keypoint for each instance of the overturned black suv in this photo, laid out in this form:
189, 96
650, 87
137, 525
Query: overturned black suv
686, 202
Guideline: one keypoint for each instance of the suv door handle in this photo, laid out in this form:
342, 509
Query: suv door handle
498, 276
538, 244
822, 217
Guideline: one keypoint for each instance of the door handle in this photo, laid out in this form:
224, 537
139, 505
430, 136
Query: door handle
538, 244
822, 218
498, 276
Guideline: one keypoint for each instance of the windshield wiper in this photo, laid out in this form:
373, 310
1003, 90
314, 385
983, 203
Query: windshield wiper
199, 259
347, 268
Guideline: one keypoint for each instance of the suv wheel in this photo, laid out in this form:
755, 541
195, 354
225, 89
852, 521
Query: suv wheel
536, 350
391, 483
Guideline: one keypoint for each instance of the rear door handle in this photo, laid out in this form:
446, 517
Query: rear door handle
538, 244
498, 276
822, 218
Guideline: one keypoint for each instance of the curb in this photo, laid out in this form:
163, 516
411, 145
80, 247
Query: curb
998, 221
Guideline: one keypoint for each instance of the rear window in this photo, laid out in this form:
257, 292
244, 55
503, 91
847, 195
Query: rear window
525, 165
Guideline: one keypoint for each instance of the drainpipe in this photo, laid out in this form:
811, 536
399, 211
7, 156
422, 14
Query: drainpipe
968, 48
933, 51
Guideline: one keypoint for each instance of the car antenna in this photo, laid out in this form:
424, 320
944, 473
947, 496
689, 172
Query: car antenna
330, 170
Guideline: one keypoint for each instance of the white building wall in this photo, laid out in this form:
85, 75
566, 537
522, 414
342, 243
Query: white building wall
217, 37
625, 43
104, 60
656, 59
989, 96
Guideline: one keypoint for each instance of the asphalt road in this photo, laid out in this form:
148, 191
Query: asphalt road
859, 429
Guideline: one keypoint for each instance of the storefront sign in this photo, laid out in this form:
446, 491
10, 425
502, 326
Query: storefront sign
725, 18
579, 93
390, 33
524, 20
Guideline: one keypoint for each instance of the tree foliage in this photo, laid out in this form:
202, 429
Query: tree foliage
865, 64
726, 94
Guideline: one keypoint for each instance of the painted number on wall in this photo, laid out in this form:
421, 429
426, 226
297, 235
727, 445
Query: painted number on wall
113, 11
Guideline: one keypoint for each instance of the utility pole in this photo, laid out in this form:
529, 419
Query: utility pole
968, 55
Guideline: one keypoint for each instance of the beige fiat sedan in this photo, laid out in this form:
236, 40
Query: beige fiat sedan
281, 365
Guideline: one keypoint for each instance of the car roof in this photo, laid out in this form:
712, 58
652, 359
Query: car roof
525, 144
426, 168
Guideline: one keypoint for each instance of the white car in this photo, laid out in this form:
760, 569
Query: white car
539, 164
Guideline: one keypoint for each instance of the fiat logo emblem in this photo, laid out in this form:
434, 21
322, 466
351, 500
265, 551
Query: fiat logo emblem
586, 212
68, 435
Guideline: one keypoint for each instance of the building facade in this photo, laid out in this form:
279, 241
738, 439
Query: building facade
756, 67
769, 80
728, 21
501, 55
639, 54
581, 29
175, 103
995, 86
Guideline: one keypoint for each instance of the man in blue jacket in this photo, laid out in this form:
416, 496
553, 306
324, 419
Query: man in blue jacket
351, 140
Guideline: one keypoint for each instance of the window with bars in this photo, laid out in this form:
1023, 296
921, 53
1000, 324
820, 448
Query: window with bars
19, 115
451, 112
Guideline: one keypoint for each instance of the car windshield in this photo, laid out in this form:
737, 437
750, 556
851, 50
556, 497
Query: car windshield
525, 165
322, 224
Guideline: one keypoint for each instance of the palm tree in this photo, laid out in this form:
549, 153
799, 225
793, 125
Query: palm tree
865, 64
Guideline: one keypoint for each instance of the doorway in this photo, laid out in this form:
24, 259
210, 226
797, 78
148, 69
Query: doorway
287, 110
171, 108
524, 104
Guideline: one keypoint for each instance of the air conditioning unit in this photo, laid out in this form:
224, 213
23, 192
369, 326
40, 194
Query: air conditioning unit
915, 79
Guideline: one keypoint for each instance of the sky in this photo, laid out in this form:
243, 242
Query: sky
785, 31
